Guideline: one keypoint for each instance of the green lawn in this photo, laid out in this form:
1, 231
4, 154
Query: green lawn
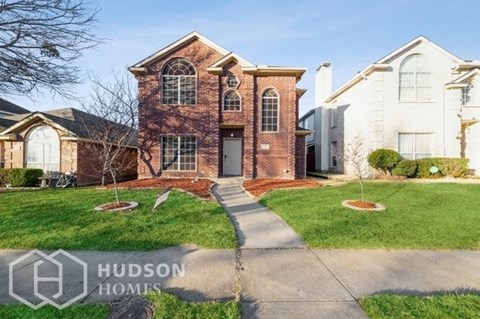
171, 307
71, 312
412, 307
167, 307
64, 218
418, 215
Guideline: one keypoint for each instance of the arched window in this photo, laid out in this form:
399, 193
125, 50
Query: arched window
179, 83
42, 147
416, 83
270, 111
231, 101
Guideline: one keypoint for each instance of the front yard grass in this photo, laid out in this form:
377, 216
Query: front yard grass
64, 218
421, 216
414, 307
167, 307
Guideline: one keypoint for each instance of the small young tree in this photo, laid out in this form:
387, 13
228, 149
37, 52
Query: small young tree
354, 156
113, 128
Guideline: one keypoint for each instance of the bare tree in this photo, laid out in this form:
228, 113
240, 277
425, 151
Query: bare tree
40, 40
355, 157
112, 130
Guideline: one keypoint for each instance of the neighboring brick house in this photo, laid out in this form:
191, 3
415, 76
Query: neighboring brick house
206, 112
8, 109
57, 141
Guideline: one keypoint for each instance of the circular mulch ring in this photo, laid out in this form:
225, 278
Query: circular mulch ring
364, 206
117, 207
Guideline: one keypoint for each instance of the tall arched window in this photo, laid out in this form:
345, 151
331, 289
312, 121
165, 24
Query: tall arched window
270, 111
231, 101
179, 82
416, 83
42, 148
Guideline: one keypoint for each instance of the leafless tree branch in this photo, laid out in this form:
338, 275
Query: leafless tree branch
39, 42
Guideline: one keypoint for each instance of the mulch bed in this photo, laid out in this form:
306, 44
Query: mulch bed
115, 205
198, 187
360, 204
260, 186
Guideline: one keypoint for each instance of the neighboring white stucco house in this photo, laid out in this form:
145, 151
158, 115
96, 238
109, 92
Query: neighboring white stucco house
420, 100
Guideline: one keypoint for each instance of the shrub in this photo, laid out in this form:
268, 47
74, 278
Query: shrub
384, 160
3, 177
455, 167
24, 177
423, 168
406, 168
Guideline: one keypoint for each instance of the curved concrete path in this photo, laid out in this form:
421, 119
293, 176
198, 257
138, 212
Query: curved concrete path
257, 227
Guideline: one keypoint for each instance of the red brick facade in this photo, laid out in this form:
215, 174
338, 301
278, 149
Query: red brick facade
273, 154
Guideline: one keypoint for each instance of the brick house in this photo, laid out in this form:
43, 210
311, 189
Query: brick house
56, 141
207, 112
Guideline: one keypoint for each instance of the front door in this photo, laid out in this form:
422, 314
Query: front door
232, 156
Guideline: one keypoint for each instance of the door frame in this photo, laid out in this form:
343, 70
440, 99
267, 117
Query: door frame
241, 154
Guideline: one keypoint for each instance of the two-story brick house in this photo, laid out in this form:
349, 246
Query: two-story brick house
207, 112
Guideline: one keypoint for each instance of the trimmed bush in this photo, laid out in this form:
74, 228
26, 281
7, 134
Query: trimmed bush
384, 160
406, 168
24, 177
454, 167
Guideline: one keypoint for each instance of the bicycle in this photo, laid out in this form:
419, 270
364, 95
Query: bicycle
69, 179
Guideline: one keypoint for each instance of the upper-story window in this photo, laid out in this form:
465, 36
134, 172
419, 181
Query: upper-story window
179, 83
470, 96
232, 81
416, 81
231, 101
270, 111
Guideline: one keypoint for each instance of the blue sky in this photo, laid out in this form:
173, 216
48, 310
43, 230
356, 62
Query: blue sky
351, 34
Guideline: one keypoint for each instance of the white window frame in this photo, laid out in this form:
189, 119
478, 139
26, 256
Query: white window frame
414, 153
239, 99
264, 126
179, 83
179, 153
47, 150
416, 69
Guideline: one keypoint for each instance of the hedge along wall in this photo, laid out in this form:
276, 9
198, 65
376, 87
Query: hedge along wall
20, 177
453, 167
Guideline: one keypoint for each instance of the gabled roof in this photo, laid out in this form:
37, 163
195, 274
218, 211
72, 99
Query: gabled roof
11, 108
467, 65
383, 64
216, 68
232, 56
357, 78
420, 39
71, 120
140, 66
461, 81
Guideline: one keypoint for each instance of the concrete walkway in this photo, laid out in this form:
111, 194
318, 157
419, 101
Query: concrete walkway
257, 227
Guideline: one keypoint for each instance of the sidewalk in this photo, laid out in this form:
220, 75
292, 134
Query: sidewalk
280, 282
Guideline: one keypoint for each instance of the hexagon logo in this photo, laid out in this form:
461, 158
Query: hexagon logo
37, 279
